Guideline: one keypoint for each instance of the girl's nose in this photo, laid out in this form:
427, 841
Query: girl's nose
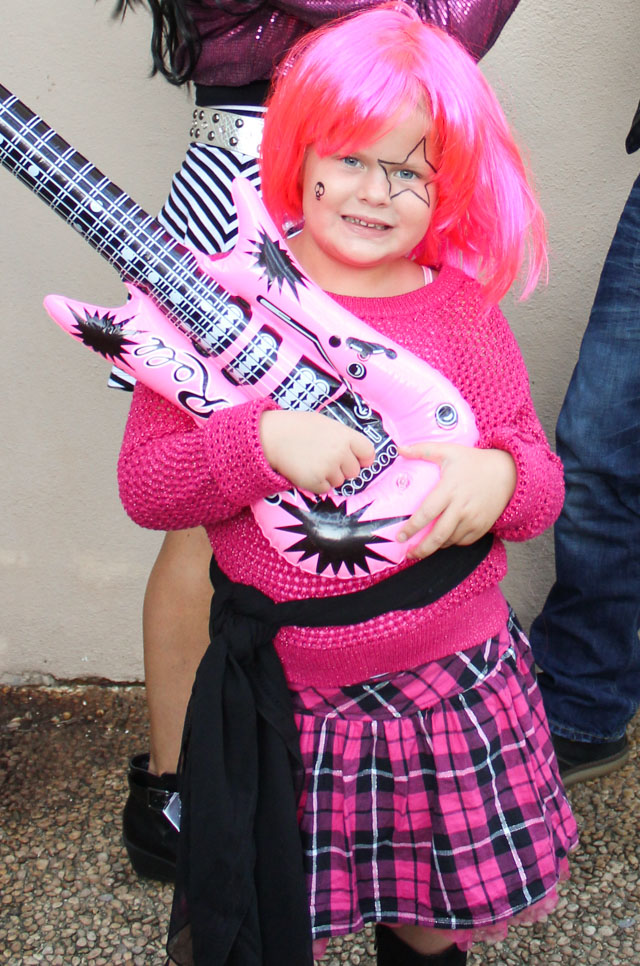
374, 187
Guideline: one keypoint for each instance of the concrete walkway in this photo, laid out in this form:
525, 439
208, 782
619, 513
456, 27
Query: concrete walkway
68, 896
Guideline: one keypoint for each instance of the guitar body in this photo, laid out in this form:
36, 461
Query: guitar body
207, 333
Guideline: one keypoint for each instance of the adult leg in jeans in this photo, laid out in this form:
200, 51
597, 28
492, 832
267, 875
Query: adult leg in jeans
586, 638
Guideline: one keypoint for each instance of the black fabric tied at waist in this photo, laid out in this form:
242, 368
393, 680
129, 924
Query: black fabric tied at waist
241, 896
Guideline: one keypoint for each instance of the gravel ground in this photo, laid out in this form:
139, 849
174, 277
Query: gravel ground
68, 896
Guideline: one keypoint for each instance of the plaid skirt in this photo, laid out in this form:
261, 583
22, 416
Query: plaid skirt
432, 796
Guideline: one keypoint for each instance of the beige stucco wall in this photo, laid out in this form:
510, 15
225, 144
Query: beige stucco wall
72, 567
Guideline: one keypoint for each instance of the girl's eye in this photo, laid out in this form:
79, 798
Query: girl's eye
351, 162
405, 174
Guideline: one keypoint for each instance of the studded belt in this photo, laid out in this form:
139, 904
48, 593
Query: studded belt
233, 132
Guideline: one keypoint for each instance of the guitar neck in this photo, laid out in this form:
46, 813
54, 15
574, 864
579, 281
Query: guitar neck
130, 239
74, 188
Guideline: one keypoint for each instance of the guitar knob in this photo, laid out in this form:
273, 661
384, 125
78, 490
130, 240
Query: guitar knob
446, 416
356, 370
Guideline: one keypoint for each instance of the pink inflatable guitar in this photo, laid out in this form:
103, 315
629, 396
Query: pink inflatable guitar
207, 333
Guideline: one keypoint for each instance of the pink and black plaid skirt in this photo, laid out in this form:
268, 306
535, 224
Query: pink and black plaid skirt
432, 796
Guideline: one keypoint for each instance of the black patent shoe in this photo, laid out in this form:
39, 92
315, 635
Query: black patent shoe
149, 837
578, 761
392, 951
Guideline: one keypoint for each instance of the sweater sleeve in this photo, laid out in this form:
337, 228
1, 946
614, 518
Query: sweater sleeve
174, 474
539, 493
508, 421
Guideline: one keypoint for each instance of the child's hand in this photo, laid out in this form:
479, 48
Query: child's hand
474, 488
313, 451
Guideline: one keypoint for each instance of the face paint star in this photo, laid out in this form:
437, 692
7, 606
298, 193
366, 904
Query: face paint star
418, 154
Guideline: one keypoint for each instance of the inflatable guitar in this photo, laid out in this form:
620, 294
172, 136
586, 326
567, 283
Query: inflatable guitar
208, 333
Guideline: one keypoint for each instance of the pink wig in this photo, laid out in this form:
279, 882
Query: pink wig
344, 86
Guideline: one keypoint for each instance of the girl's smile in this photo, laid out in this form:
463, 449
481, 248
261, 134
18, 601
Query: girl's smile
378, 225
365, 212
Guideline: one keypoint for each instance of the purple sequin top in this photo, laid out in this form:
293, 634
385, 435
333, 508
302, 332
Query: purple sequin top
243, 41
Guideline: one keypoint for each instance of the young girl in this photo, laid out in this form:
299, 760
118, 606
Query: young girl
228, 51
428, 796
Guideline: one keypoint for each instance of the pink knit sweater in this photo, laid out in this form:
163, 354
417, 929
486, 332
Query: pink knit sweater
174, 474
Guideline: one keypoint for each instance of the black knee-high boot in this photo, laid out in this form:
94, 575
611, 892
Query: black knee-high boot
392, 951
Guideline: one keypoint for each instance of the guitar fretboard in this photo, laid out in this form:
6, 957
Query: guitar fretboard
125, 235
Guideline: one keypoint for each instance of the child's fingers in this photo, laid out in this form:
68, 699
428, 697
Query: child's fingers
440, 535
431, 452
358, 453
347, 469
427, 512
363, 449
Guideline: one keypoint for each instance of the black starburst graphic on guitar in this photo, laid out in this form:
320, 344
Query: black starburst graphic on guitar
277, 264
102, 334
337, 537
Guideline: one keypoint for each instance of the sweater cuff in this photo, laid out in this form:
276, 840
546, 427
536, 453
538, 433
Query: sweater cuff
518, 520
235, 455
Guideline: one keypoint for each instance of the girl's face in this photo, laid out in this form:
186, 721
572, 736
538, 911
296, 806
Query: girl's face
366, 211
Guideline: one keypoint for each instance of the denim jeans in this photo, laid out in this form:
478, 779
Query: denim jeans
586, 638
